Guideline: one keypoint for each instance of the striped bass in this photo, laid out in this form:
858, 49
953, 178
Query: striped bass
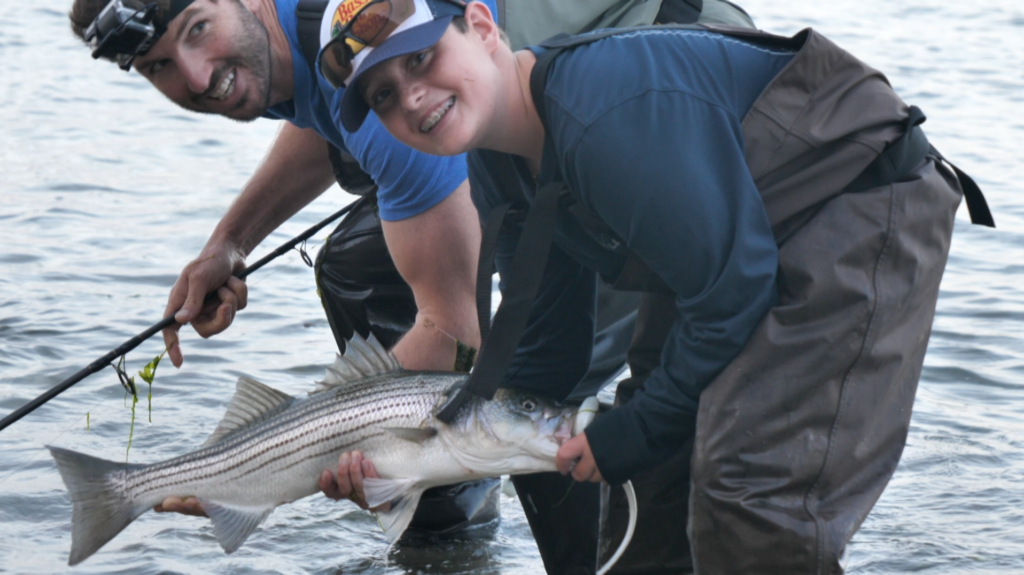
270, 448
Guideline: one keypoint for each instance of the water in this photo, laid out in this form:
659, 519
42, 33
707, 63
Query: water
107, 190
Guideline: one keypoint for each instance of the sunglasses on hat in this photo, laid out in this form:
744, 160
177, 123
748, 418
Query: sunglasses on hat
358, 27
368, 25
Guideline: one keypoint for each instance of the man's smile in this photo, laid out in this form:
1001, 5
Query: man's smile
225, 87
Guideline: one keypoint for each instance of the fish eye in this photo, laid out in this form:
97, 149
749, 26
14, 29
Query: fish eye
528, 403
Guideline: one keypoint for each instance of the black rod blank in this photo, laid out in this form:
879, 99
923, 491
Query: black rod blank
134, 342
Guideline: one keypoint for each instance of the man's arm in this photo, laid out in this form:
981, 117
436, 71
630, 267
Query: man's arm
436, 252
295, 171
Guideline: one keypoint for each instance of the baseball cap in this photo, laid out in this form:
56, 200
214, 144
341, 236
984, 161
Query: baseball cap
363, 33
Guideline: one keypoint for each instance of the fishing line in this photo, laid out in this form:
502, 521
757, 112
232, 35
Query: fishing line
631, 498
94, 408
584, 416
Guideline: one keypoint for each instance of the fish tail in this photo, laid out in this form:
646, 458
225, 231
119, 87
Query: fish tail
99, 510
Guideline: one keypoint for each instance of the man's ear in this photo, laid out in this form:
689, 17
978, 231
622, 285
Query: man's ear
481, 24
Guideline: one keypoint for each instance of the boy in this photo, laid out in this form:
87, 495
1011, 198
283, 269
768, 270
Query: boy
741, 171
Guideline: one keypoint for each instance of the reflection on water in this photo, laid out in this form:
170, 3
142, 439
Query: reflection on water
107, 190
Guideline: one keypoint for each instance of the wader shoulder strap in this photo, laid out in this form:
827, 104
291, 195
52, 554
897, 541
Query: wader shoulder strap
557, 44
507, 179
976, 204
309, 14
897, 160
681, 11
906, 154
525, 274
348, 173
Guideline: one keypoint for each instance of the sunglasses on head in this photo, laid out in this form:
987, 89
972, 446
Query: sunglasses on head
368, 27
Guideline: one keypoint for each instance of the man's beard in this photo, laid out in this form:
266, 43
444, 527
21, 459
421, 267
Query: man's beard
252, 43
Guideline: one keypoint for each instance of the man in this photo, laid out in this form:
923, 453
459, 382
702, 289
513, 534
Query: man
244, 59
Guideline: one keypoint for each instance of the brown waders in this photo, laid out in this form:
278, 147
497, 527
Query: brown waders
797, 438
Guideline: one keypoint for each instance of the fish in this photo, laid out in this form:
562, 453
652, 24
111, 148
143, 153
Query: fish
270, 449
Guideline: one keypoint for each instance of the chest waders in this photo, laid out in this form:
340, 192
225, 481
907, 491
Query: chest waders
870, 187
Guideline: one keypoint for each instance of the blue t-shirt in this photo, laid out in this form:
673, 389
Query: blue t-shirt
644, 128
410, 182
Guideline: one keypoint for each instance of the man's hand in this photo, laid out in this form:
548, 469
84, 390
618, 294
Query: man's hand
575, 457
348, 482
211, 271
186, 506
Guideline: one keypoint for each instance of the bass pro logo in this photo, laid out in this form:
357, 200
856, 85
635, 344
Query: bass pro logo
344, 14
377, 18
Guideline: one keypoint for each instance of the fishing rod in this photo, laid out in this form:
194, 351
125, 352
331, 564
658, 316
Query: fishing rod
166, 322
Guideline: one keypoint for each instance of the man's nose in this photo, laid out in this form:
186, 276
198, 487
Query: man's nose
197, 73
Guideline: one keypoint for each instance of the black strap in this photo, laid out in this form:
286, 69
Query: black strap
525, 274
350, 176
679, 11
897, 159
976, 204
560, 42
309, 14
907, 153
507, 178
174, 8
485, 267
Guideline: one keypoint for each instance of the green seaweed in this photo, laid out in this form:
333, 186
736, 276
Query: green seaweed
131, 431
147, 373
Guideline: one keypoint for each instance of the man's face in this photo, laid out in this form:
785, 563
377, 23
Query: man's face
215, 59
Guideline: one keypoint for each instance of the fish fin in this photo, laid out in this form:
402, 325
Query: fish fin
99, 511
252, 403
379, 491
362, 358
413, 434
233, 525
395, 521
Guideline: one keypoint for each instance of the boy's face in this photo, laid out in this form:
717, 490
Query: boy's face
215, 59
439, 101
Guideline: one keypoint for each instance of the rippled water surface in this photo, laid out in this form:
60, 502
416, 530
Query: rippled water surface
107, 190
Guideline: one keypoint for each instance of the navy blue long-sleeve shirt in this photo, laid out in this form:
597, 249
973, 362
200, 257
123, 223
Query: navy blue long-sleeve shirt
644, 128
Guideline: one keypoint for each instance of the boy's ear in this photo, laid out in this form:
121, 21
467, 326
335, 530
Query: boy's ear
481, 23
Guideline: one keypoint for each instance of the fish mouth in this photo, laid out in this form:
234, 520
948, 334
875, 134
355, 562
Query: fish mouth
563, 432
